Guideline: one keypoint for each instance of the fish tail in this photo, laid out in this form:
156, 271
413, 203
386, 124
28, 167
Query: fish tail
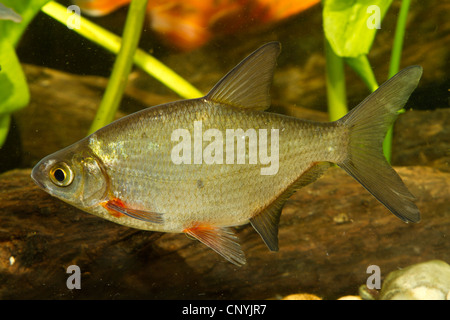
367, 126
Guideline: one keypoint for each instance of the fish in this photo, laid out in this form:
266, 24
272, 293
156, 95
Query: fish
9, 14
191, 166
187, 25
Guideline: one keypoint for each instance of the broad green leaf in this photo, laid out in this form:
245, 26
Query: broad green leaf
350, 25
4, 127
14, 92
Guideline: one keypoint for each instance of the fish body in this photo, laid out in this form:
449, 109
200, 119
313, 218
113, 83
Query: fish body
9, 14
204, 165
136, 156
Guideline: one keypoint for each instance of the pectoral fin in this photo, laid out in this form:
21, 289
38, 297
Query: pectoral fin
220, 239
118, 208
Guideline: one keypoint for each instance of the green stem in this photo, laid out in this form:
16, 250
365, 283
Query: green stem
112, 43
395, 64
396, 54
361, 66
335, 79
122, 66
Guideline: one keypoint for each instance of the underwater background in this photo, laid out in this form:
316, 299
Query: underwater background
330, 231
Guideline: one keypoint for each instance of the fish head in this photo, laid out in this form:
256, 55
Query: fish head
74, 175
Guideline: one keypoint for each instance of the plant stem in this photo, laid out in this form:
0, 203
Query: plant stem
394, 65
396, 54
112, 43
335, 79
361, 66
122, 66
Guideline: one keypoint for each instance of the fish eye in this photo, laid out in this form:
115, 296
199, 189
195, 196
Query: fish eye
61, 174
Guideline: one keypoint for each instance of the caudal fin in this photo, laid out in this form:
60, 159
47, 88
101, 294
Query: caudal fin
368, 124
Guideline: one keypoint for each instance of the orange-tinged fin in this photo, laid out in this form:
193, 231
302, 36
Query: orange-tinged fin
221, 239
368, 124
117, 208
248, 84
266, 222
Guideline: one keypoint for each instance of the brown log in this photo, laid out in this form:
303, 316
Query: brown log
330, 232
423, 138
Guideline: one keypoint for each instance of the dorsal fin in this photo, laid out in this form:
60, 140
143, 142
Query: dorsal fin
248, 84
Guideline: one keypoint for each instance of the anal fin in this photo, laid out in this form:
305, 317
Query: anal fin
220, 239
266, 222
118, 208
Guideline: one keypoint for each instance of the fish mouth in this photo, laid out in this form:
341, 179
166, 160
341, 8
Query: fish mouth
36, 176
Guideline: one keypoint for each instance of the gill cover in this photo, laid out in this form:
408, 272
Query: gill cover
94, 183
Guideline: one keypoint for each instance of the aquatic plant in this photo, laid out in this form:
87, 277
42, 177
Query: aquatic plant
127, 53
122, 66
350, 28
394, 64
14, 93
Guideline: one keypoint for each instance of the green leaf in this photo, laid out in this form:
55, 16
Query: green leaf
27, 9
350, 25
4, 127
14, 92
